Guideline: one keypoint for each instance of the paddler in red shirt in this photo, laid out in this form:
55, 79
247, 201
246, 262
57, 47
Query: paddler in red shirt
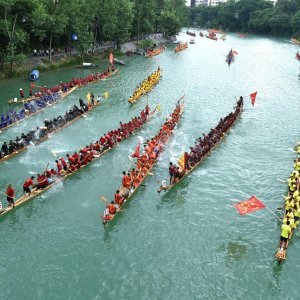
63, 162
10, 195
118, 198
27, 184
147, 110
42, 181
126, 180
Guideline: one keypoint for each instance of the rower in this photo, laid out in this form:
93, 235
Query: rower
171, 172
42, 181
4, 148
126, 180
27, 184
119, 199
64, 164
112, 208
10, 194
285, 233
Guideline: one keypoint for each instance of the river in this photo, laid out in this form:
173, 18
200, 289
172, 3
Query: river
189, 243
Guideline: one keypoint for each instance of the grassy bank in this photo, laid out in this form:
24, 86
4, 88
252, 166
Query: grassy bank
43, 64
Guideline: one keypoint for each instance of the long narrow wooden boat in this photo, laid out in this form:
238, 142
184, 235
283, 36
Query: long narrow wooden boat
101, 79
181, 47
139, 92
282, 247
187, 172
131, 192
63, 95
36, 192
191, 33
7, 157
21, 101
155, 52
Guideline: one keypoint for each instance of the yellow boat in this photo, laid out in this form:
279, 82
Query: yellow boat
146, 86
294, 197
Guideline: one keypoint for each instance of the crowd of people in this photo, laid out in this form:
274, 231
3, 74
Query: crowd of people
292, 209
35, 136
203, 145
146, 86
74, 162
132, 179
12, 116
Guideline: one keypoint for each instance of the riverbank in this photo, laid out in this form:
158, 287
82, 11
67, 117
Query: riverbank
62, 59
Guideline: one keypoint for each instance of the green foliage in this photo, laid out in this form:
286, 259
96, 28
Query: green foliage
257, 16
144, 44
45, 24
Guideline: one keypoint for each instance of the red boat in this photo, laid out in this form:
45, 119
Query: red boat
298, 55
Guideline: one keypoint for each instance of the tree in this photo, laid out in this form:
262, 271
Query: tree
116, 28
144, 17
49, 20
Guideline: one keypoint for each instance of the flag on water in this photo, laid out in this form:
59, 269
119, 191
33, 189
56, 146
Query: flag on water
105, 95
235, 52
111, 58
181, 161
249, 205
136, 152
88, 98
158, 107
32, 85
253, 97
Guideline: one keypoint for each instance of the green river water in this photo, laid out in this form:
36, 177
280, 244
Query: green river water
189, 243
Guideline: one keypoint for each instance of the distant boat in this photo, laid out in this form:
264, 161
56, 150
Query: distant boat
191, 33
192, 41
87, 66
119, 62
34, 75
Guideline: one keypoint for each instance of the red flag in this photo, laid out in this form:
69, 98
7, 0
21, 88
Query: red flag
136, 153
235, 52
32, 85
111, 58
249, 205
253, 97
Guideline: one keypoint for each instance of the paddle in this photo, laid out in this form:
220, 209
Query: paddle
283, 181
104, 199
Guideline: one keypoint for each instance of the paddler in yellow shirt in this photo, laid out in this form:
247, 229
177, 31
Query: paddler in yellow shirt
285, 233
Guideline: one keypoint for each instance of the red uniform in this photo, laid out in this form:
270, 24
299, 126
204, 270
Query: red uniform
63, 162
112, 209
10, 192
71, 160
119, 199
28, 183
